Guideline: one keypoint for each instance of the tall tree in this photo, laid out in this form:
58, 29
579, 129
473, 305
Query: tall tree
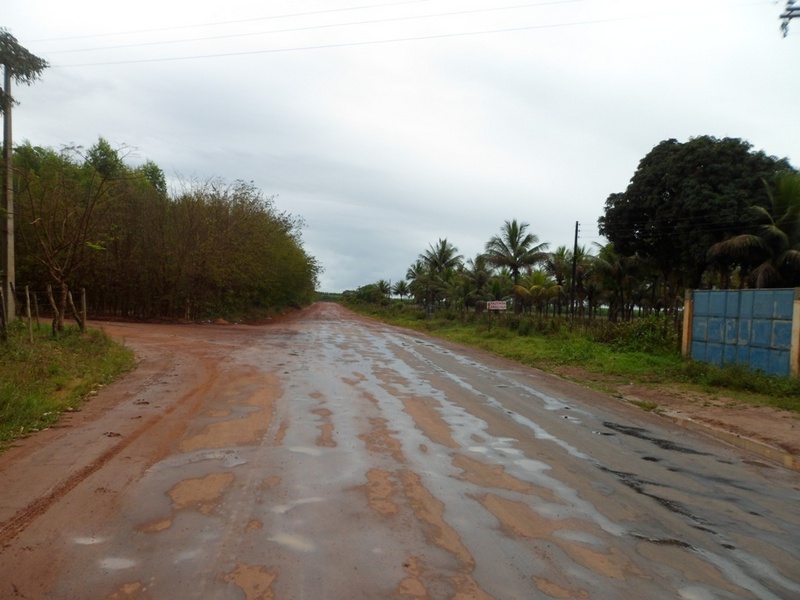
515, 248
685, 197
62, 198
23, 67
441, 260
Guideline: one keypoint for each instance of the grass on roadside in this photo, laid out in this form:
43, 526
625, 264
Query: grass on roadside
39, 381
642, 352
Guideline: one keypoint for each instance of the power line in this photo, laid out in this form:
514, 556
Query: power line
327, 26
355, 44
217, 23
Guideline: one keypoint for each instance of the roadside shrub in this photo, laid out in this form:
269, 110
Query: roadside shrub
651, 334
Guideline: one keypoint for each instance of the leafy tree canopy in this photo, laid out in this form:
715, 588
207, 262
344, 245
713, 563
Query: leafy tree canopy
686, 196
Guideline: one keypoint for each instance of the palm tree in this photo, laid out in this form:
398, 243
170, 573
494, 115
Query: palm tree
441, 257
543, 289
401, 289
774, 247
384, 287
559, 265
515, 249
478, 277
419, 278
618, 276
441, 261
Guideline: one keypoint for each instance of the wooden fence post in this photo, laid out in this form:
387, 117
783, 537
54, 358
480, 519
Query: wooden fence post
28, 313
688, 315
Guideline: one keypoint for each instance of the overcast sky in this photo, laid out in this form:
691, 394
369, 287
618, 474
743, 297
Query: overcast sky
389, 125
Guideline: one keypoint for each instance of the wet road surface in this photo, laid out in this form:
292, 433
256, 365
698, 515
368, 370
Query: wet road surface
334, 457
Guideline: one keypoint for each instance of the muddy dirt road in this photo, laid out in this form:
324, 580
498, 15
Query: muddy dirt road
328, 456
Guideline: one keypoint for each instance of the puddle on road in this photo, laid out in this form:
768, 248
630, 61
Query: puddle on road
294, 542
282, 509
88, 541
521, 520
494, 476
306, 450
117, 563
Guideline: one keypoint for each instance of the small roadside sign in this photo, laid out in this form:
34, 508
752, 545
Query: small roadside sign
497, 305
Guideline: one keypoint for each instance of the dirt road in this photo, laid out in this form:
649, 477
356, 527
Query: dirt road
328, 456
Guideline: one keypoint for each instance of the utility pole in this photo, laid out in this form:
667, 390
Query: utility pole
790, 12
574, 273
7, 263
23, 67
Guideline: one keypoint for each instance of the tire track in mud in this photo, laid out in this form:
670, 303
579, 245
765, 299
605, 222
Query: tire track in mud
389, 492
16, 524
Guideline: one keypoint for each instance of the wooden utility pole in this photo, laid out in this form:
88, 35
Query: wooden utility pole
23, 67
574, 273
7, 270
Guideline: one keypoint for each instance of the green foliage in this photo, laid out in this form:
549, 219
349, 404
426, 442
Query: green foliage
24, 67
770, 249
515, 248
653, 334
39, 381
683, 198
213, 249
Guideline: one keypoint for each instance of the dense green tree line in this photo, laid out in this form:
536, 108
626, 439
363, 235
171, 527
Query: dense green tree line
704, 213
90, 220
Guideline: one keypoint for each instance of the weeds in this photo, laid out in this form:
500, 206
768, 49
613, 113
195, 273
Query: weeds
39, 381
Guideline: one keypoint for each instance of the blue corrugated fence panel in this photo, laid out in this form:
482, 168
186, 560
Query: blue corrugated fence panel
716, 330
732, 303
752, 327
759, 359
761, 336
782, 335
714, 354
779, 362
716, 304
784, 304
764, 305
701, 303
743, 354
700, 329
731, 330
744, 331
746, 302
729, 354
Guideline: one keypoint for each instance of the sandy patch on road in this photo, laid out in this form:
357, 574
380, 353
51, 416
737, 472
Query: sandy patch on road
261, 392
255, 581
428, 419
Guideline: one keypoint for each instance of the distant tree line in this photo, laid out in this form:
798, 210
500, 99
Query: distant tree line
704, 213
87, 219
